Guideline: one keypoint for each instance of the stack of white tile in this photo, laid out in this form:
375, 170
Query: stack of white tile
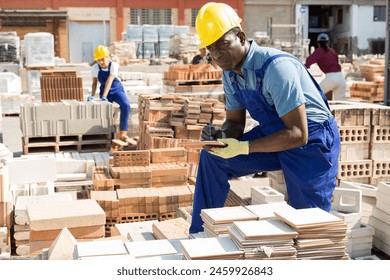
216, 220
264, 240
321, 235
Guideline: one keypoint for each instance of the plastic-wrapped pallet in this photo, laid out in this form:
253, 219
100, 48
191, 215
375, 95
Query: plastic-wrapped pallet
39, 48
150, 33
181, 29
134, 33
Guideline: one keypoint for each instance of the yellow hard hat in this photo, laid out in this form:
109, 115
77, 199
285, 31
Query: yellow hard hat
213, 21
100, 52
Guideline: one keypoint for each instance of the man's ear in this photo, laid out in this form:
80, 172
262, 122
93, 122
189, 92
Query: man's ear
242, 37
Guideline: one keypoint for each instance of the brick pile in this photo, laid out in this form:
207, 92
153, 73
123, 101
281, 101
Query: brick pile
372, 89
59, 85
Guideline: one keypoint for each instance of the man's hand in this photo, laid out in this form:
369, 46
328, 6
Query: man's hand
234, 148
210, 132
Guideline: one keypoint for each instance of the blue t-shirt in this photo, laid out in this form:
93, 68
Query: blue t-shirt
286, 84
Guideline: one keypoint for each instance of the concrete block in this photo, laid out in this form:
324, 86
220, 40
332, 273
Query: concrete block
383, 205
91, 126
351, 219
361, 240
31, 170
20, 211
367, 190
384, 247
383, 236
366, 258
68, 165
384, 187
381, 215
71, 214
347, 200
350, 151
362, 246
266, 194
50, 111
379, 225
363, 231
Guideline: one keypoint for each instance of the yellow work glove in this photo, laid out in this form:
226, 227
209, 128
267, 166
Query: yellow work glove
234, 148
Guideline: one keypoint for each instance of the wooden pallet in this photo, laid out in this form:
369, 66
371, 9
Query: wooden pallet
66, 143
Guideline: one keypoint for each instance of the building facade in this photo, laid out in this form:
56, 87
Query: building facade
355, 26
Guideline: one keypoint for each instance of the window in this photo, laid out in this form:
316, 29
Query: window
151, 16
194, 14
339, 19
23, 21
379, 13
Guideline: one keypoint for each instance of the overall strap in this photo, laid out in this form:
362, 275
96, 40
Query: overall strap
260, 73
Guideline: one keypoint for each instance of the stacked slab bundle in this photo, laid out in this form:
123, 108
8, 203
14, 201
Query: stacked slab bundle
321, 235
264, 240
59, 85
67, 125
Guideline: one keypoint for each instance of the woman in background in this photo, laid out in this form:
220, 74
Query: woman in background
334, 85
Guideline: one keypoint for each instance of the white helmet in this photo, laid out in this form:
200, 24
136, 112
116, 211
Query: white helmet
323, 37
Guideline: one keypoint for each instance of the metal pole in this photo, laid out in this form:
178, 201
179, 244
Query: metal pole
387, 53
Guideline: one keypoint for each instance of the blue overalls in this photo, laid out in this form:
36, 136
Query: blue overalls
310, 171
117, 94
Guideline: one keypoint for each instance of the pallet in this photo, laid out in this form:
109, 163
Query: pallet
66, 143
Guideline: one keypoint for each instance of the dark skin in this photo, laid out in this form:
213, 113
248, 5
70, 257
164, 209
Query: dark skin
229, 53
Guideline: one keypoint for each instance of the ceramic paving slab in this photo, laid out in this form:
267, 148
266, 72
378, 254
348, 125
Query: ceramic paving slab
227, 214
205, 248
